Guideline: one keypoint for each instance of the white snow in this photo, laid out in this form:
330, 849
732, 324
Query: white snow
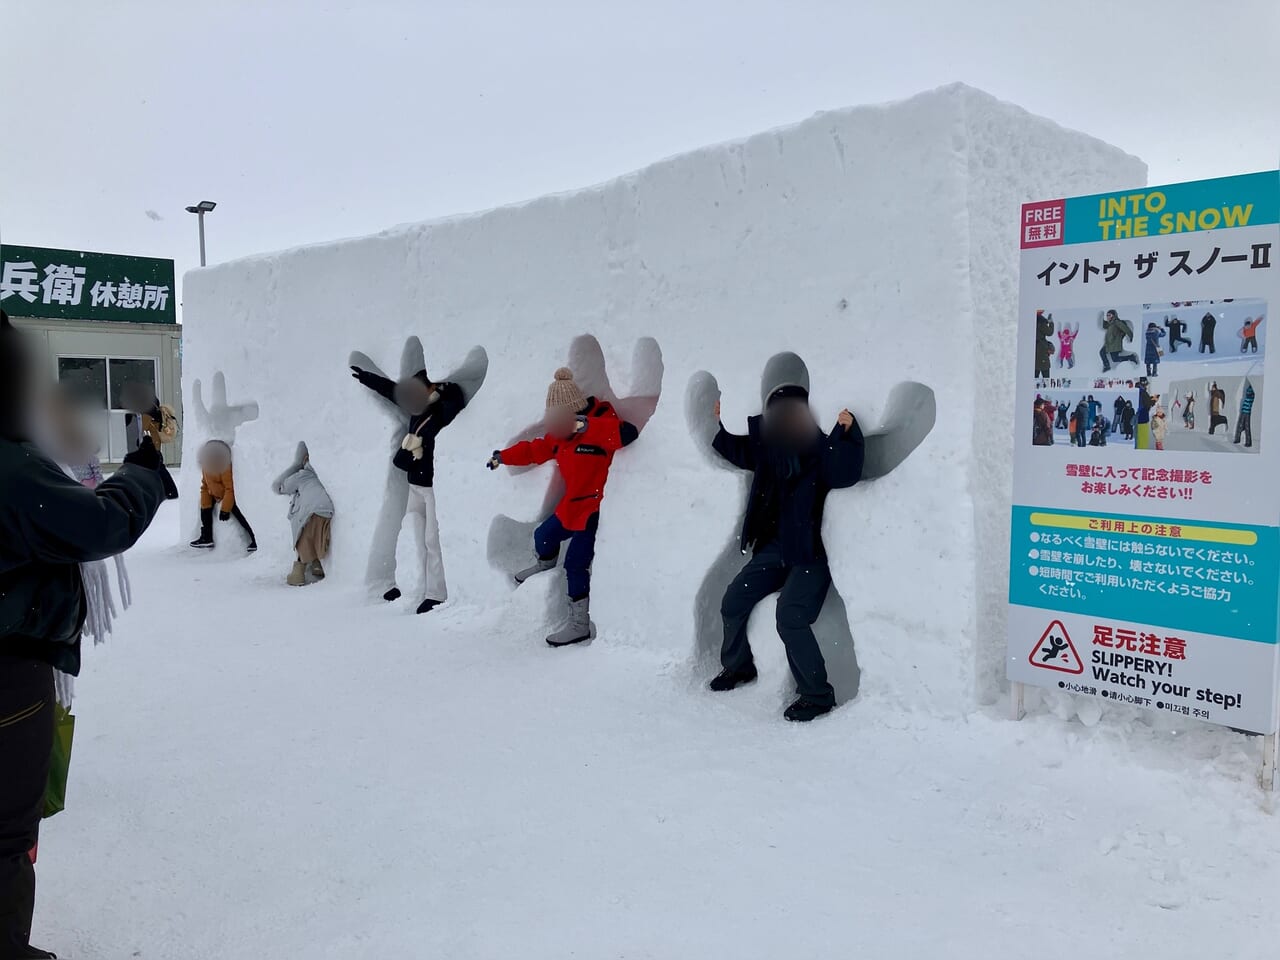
310, 773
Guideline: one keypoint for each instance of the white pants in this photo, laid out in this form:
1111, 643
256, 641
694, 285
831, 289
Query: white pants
426, 533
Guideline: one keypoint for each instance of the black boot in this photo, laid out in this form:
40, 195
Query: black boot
34, 953
205, 540
728, 679
426, 606
804, 710
392, 595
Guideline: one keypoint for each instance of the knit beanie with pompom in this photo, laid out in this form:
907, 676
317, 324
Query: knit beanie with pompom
563, 392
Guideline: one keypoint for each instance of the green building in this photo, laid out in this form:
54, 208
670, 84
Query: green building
99, 321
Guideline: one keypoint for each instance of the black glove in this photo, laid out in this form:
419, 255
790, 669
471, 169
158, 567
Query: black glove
156, 414
495, 461
364, 376
224, 516
145, 456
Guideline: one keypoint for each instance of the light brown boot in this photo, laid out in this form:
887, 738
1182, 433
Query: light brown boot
298, 575
317, 570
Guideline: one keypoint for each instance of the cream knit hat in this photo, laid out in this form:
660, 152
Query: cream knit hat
563, 392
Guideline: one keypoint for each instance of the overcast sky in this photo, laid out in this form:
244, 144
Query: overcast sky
308, 121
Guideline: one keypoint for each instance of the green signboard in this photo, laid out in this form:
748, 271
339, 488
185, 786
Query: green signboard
75, 285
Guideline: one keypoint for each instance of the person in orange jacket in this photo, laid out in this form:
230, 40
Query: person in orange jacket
1249, 333
583, 434
217, 485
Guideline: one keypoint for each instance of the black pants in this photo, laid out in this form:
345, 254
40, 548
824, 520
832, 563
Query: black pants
26, 741
206, 523
804, 588
1244, 426
1174, 341
1216, 421
1206, 342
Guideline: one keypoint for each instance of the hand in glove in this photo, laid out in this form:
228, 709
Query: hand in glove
224, 516
580, 425
364, 376
495, 461
145, 456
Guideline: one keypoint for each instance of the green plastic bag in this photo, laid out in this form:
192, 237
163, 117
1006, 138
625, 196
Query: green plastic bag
55, 790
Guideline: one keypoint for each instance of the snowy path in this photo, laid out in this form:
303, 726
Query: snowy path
290, 775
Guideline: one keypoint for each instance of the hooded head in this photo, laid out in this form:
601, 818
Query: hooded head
15, 382
414, 394
1112, 315
214, 457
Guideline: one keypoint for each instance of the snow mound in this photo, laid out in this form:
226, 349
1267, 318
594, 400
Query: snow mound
877, 244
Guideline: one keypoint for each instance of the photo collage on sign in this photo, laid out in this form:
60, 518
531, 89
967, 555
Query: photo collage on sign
1155, 376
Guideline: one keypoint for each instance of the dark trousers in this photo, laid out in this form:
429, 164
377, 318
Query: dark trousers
1248, 342
582, 551
1244, 426
1115, 356
26, 741
1215, 422
803, 589
206, 523
1174, 341
1206, 343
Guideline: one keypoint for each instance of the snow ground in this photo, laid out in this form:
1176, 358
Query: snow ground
265, 771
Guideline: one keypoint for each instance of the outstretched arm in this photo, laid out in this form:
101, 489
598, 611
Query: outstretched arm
737, 449
529, 452
380, 385
843, 453
444, 411
76, 524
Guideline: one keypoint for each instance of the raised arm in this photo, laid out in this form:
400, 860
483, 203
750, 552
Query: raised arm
445, 410
380, 385
73, 524
843, 453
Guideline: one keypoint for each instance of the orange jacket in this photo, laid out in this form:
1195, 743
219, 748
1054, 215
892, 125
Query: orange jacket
215, 487
1251, 329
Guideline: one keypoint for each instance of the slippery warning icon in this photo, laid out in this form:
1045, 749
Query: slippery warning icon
1055, 651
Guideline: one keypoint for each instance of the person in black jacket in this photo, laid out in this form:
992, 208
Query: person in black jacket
795, 465
1208, 324
49, 525
430, 407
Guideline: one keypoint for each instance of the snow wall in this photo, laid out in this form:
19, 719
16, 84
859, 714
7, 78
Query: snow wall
879, 244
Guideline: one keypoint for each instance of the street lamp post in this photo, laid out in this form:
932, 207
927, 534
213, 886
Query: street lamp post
200, 209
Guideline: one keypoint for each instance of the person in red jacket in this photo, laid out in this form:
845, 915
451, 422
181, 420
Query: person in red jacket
583, 434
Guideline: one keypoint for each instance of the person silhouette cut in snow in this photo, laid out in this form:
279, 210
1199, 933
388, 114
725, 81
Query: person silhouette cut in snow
1208, 324
1177, 332
583, 434
1249, 334
1044, 346
428, 407
1115, 331
794, 466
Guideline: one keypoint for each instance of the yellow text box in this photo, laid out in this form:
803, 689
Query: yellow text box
1145, 528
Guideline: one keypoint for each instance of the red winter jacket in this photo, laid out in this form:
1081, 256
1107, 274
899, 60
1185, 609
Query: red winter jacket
583, 460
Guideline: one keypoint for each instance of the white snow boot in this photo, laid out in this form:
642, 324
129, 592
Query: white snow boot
578, 627
539, 566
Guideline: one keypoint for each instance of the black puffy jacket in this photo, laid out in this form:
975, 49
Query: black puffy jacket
427, 425
791, 511
49, 525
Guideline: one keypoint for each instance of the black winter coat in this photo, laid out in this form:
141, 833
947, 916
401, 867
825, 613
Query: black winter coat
836, 462
427, 425
49, 525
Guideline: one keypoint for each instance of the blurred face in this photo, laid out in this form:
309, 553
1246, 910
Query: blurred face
68, 431
790, 423
561, 421
413, 396
1112, 315
214, 458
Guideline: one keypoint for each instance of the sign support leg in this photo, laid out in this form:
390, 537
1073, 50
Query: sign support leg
1269, 762
1016, 701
